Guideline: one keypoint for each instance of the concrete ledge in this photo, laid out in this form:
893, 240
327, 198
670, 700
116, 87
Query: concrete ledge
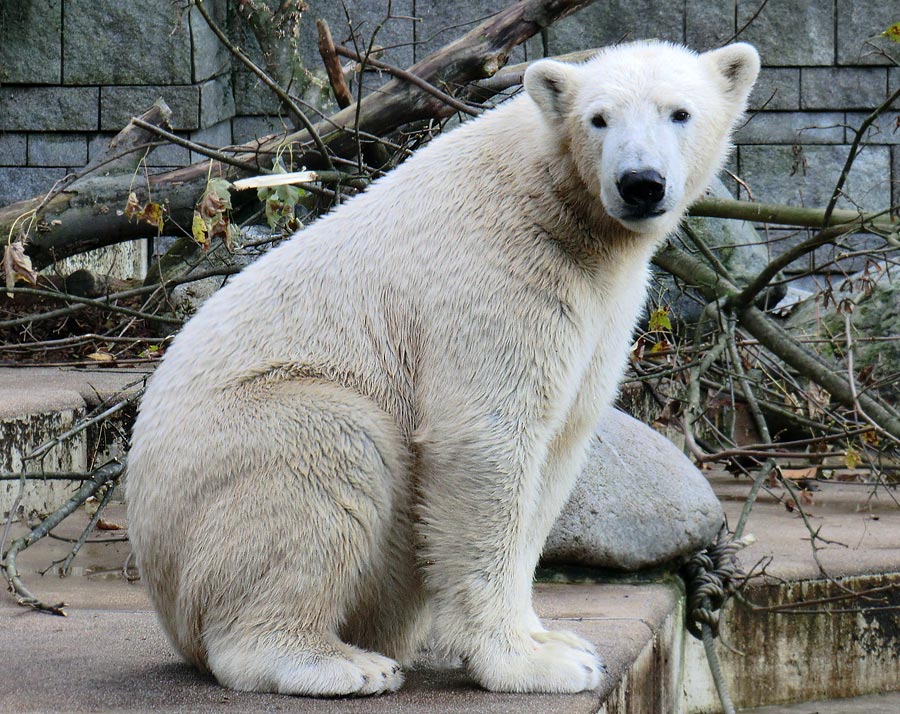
36, 405
110, 655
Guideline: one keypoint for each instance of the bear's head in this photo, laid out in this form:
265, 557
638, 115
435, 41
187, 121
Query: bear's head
646, 124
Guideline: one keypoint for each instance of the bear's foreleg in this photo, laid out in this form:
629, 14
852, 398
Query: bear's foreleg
480, 505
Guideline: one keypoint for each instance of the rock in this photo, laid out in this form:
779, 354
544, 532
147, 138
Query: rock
640, 502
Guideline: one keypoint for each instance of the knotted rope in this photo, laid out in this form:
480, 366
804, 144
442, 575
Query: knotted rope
711, 576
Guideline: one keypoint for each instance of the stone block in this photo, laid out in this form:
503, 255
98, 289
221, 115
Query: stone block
119, 104
708, 24
57, 150
13, 149
18, 183
606, 23
244, 129
48, 108
859, 22
894, 84
884, 130
843, 87
778, 88
122, 261
807, 175
216, 136
112, 42
210, 57
810, 24
30, 52
216, 101
792, 128
251, 96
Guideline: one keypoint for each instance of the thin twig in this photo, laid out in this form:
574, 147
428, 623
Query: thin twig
198, 148
133, 292
854, 152
89, 302
408, 77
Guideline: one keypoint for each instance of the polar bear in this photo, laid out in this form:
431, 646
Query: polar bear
366, 436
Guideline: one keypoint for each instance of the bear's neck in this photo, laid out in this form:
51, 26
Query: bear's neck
578, 220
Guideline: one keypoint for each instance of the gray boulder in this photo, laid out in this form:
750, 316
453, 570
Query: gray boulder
639, 503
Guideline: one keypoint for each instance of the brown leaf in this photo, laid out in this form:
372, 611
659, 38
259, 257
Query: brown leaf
132, 206
152, 213
103, 525
101, 357
800, 474
16, 264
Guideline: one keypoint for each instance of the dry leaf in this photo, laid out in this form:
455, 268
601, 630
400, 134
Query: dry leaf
200, 231
152, 213
800, 474
659, 320
132, 206
893, 32
852, 458
101, 357
17, 265
107, 525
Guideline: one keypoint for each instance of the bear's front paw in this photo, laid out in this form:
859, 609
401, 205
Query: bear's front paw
552, 666
565, 637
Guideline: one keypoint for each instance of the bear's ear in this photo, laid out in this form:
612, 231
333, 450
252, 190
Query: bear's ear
551, 85
738, 66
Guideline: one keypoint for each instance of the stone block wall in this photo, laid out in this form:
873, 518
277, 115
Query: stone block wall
72, 72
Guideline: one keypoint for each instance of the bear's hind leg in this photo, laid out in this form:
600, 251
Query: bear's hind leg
301, 662
294, 529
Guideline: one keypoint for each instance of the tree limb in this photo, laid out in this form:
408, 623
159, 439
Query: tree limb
773, 337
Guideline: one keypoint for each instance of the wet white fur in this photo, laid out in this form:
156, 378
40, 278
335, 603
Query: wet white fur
374, 426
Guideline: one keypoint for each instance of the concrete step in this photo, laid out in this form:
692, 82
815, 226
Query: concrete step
838, 647
39, 403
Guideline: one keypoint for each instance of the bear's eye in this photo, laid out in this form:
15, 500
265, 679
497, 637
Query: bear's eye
598, 121
680, 116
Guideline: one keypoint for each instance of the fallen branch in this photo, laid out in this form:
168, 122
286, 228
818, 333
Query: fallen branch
107, 474
84, 216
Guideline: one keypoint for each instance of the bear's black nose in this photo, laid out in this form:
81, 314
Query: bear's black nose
642, 190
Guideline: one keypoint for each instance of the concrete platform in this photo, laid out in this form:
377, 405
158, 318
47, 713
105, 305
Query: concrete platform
109, 655
39, 403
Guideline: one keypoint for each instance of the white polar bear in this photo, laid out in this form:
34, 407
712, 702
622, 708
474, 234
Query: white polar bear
373, 428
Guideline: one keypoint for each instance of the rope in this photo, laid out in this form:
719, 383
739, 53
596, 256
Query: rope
711, 576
